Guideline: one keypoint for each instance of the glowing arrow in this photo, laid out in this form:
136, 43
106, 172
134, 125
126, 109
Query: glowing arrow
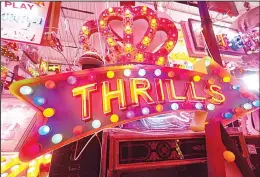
74, 105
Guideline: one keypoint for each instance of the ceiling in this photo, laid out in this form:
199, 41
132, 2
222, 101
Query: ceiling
71, 21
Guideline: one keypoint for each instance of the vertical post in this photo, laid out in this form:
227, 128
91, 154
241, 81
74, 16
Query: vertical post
215, 149
208, 32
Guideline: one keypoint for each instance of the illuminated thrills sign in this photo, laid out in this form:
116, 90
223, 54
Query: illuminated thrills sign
77, 104
23, 21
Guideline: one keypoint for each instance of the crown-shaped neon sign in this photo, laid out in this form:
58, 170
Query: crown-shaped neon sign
126, 51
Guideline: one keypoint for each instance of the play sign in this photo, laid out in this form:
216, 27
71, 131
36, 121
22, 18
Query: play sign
77, 104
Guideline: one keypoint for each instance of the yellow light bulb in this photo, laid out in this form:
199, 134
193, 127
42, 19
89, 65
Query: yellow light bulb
109, 40
114, 118
102, 23
139, 57
128, 48
84, 28
110, 9
48, 112
32, 163
14, 168
226, 79
196, 78
146, 40
160, 61
170, 43
127, 12
159, 108
128, 29
153, 21
144, 8
110, 74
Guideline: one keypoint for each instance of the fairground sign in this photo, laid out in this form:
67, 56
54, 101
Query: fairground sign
77, 104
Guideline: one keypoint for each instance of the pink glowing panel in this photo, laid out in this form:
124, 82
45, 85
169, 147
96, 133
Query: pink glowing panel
16, 122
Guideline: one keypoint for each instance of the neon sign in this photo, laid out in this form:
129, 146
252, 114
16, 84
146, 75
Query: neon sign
76, 104
19, 24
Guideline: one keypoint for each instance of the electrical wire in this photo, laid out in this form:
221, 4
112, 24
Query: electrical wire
69, 28
63, 58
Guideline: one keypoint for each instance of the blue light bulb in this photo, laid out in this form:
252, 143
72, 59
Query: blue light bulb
39, 101
44, 130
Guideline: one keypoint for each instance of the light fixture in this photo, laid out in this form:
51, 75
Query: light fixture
252, 82
141, 72
127, 72
174, 106
96, 124
44, 130
145, 111
26, 90
157, 72
57, 138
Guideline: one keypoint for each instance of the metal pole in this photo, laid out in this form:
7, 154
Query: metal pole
208, 32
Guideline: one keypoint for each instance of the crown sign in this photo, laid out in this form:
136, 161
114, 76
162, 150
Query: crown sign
125, 51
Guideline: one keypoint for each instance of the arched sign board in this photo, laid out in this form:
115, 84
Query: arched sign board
77, 104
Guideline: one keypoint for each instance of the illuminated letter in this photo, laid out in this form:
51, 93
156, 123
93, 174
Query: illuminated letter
193, 93
84, 91
216, 97
171, 91
107, 95
159, 90
135, 84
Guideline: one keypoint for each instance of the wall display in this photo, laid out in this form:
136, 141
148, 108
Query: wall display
6, 52
229, 40
105, 97
4, 72
16, 120
44, 65
28, 66
19, 24
179, 57
253, 146
251, 41
133, 151
54, 67
12, 166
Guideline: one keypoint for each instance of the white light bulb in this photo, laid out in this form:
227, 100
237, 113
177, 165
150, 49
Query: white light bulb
96, 124
157, 72
141, 72
127, 72
145, 111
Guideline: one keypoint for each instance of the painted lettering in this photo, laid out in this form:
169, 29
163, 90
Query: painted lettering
7, 3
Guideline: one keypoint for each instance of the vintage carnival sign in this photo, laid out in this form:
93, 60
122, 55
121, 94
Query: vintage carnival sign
23, 21
77, 104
